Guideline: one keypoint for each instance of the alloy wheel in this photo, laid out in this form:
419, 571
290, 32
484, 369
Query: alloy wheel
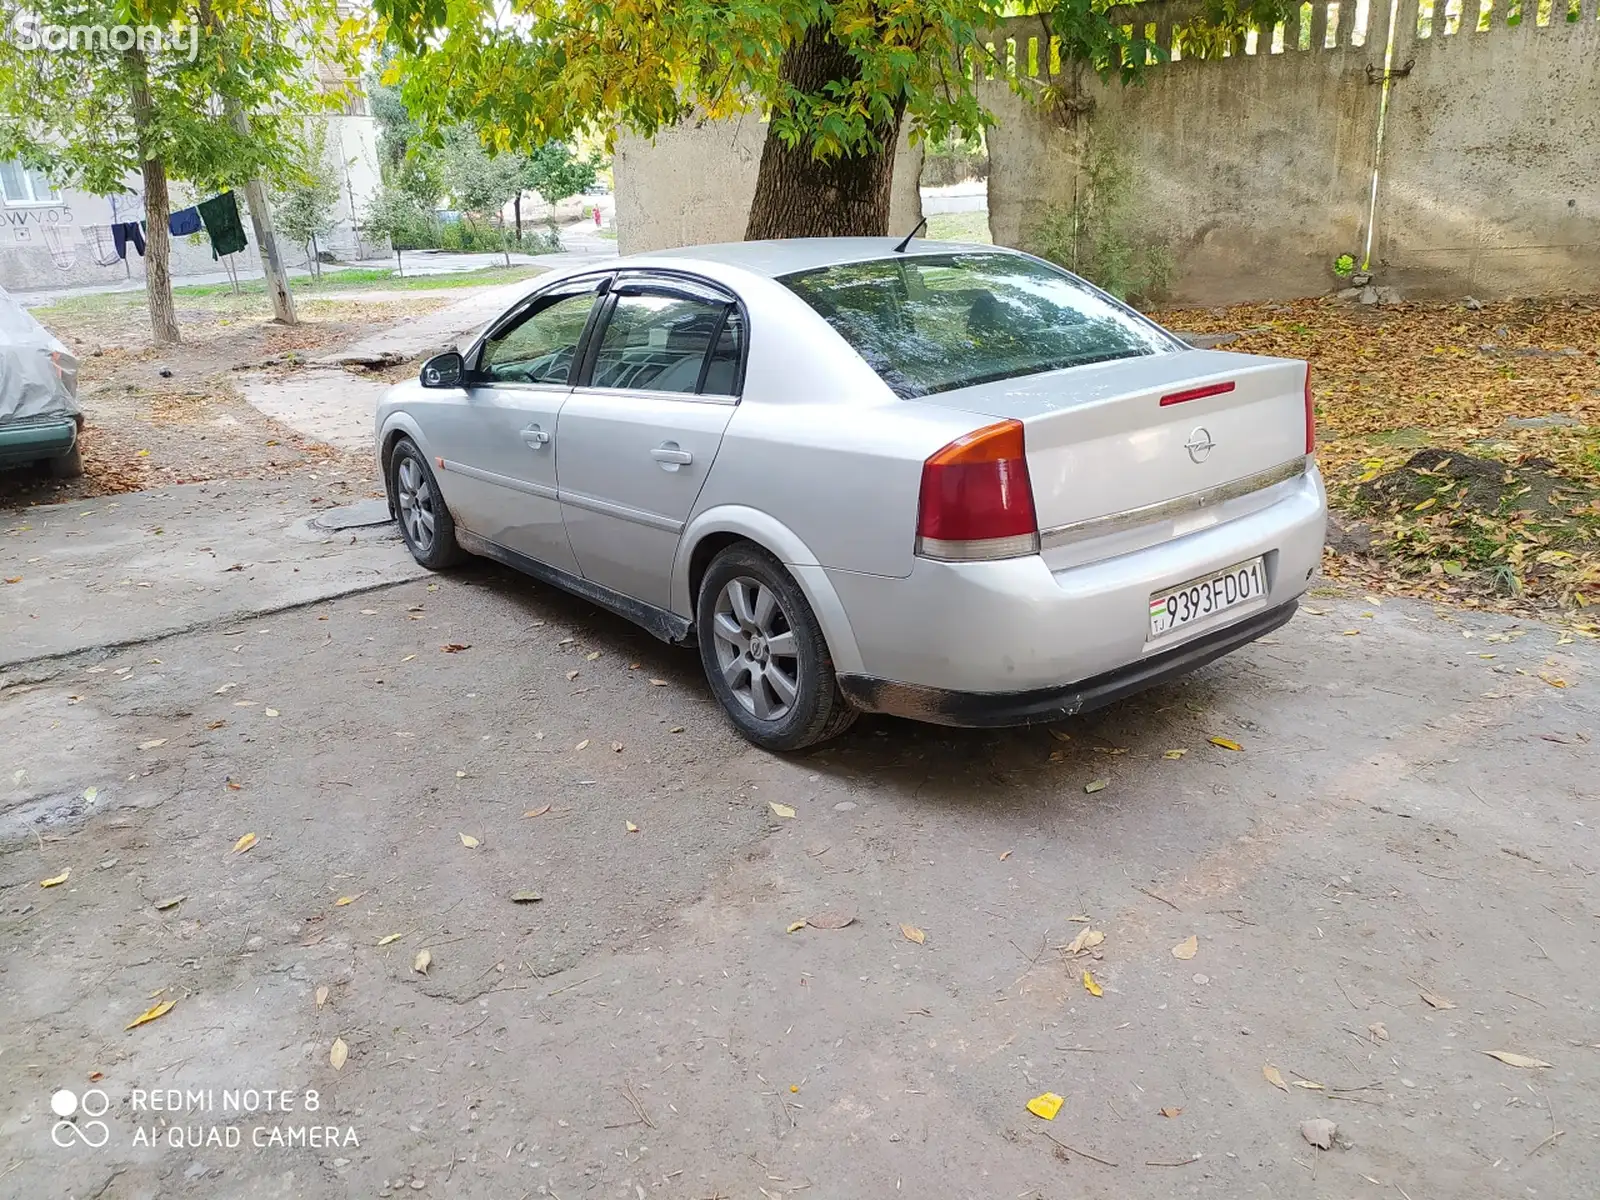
415, 497
756, 648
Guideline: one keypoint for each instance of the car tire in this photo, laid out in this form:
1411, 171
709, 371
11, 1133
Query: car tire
764, 653
424, 518
69, 465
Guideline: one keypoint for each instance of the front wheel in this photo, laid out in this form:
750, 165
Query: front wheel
425, 522
764, 653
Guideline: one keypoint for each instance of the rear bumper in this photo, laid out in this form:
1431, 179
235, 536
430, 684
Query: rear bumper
1020, 626
28, 441
981, 710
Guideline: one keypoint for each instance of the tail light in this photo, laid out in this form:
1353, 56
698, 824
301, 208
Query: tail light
1311, 416
977, 501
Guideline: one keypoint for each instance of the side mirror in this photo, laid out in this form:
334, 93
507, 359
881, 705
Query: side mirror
445, 370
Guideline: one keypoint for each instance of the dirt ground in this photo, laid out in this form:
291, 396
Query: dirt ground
459, 886
1392, 877
148, 429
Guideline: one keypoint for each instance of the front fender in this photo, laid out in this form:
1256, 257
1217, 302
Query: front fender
390, 426
774, 536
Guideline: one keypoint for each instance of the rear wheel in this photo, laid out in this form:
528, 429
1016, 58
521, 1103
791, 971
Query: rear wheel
764, 653
425, 522
69, 465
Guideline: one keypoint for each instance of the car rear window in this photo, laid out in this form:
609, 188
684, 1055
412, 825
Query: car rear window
930, 323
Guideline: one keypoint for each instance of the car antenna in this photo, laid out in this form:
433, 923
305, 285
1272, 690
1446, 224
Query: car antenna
901, 248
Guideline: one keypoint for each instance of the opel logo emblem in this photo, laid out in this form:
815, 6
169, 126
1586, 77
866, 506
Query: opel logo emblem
1199, 445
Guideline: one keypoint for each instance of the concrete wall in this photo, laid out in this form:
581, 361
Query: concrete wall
693, 184
1254, 171
1490, 183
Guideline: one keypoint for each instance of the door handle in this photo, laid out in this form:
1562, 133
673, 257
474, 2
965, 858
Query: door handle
668, 454
535, 437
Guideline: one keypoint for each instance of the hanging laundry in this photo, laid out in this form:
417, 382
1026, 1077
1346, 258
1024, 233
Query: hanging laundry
220, 214
125, 233
101, 244
184, 222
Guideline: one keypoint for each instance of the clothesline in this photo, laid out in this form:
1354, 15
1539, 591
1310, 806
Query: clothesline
218, 216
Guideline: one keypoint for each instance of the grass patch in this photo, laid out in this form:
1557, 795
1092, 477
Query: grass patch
959, 227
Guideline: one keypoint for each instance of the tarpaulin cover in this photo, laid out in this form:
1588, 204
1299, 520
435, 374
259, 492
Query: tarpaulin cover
38, 375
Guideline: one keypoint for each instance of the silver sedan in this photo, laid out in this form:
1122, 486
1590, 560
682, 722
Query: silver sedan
948, 482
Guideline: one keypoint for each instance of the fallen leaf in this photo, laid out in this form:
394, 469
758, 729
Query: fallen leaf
1046, 1106
658, 683
150, 1014
1319, 1132
1005, 856
1059, 736
14, 579
1308, 1085
571, 675
169, 902
244, 843
1435, 1001
1512, 1059
1087, 939
338, 1054
1225, 743
631, 827
525, 897
1553, 681
216, 724
676, 729
152, 743
1315, 612
1352, 633
343, 900
537, 812
461, 774
1271, 1075
1171, 1112
421, 962
616, 747
583, 745
456, 647
830, 920
1187, 948
408, 658
467, 840
795, 927
225, 689
1093, 988
912, 934
271, 712
322, 995
390, 937
1097, 785
591, 656
56, 880
1379, 1030
780, 810
1175, 754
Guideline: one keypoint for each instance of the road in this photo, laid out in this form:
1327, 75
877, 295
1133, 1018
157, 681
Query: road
1412, 811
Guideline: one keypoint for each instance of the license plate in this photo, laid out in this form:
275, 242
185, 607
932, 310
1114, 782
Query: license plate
1199, 598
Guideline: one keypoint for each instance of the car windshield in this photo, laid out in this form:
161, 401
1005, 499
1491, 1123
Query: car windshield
930, 323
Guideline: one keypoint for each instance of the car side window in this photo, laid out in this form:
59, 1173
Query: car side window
722, 372
658, 341
542, 347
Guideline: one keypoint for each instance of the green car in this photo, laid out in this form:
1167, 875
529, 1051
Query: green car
39, 415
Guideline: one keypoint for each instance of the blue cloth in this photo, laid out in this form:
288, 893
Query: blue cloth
184, 222
125, 232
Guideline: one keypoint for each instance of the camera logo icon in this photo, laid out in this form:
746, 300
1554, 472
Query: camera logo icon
67, 1105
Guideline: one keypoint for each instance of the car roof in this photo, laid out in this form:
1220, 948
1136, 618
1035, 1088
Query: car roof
787, 255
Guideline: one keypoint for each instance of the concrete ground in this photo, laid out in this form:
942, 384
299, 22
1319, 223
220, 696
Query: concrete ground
266, 791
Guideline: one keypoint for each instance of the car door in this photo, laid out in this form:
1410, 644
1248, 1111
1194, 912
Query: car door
518, 378
639, 433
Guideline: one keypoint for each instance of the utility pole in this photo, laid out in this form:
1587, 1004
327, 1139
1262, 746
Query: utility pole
261, 217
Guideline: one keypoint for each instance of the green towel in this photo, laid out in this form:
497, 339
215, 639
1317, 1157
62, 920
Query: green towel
220, 215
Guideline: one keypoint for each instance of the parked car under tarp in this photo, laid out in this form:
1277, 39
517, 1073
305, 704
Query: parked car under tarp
39, 415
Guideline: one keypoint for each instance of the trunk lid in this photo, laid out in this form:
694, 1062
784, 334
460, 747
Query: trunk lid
1100, 442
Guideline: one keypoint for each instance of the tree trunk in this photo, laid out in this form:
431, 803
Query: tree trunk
801, 196
516, 207
157, 249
